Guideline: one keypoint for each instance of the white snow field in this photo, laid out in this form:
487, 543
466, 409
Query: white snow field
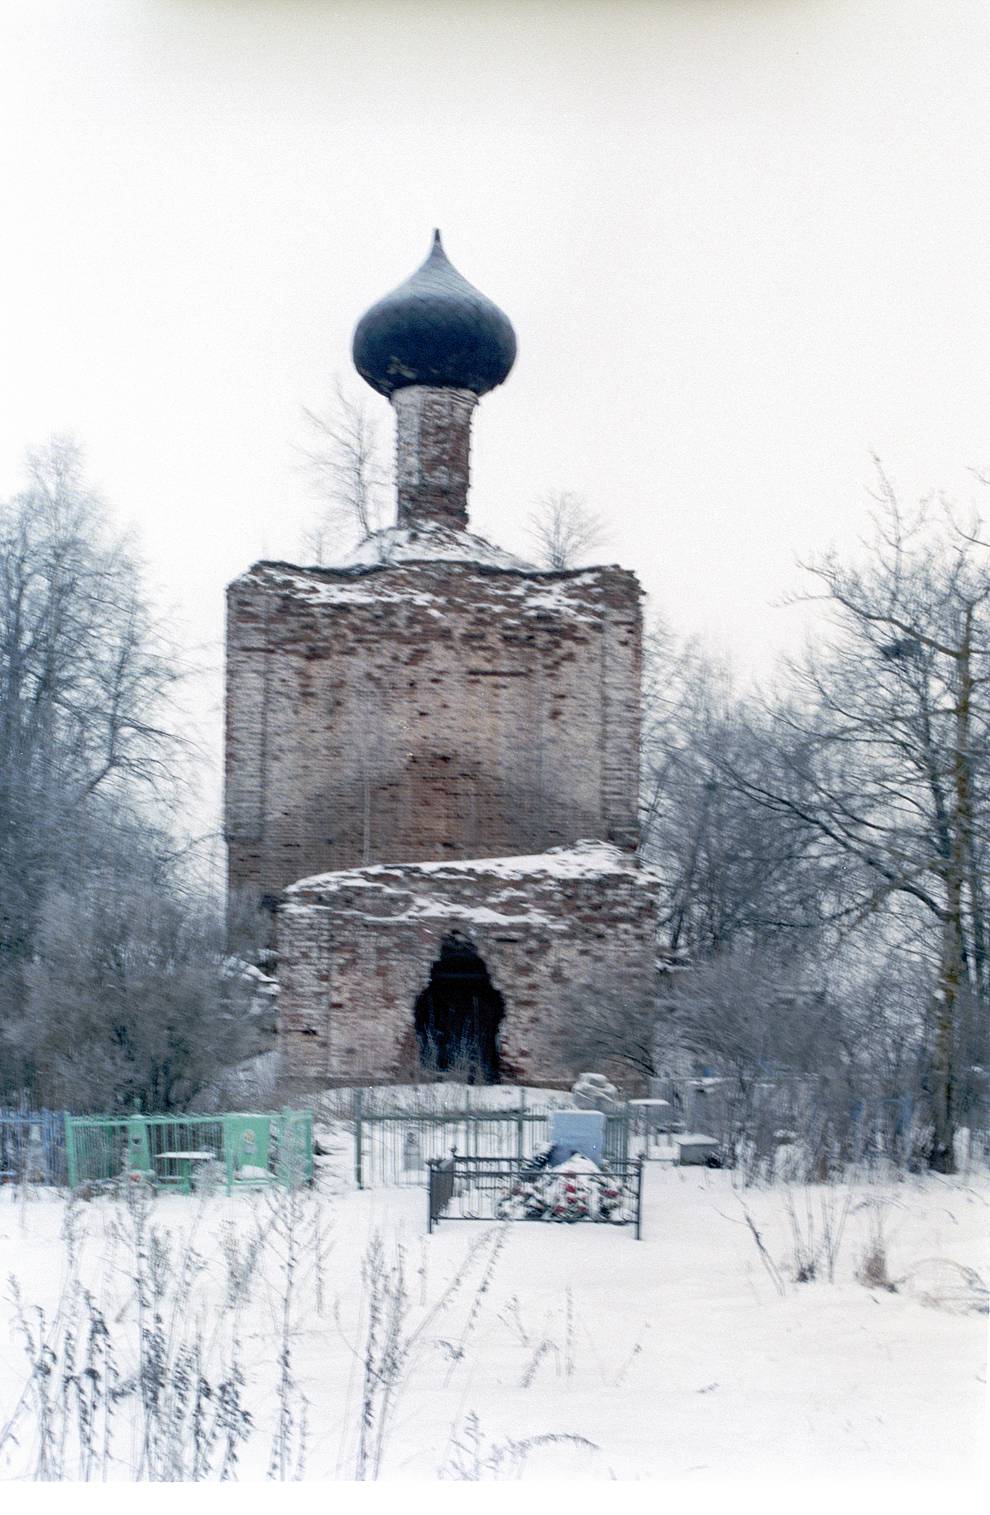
564, 1351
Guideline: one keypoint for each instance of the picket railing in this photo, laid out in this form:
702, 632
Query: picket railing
32, 1147
395, 1147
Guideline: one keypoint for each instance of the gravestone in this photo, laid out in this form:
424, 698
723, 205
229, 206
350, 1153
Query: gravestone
581, 1130
137, 1161
412, 1154
34, 1170
696, 1150
594, 1092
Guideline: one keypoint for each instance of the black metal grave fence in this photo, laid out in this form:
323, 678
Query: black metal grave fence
507, 1189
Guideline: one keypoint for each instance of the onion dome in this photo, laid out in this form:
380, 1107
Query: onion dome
435, 329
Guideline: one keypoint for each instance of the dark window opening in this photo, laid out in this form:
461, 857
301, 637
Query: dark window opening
459, 1016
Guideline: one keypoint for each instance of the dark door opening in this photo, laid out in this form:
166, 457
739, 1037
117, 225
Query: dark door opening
458, 1016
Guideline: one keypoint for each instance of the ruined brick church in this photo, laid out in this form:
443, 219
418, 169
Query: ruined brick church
432, 756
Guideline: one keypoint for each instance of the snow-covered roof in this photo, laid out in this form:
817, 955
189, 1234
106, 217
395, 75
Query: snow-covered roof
585, 859
576, 595
428, 544
363, 578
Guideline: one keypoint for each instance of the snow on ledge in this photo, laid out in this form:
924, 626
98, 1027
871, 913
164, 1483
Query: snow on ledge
434, 908
321, 586
583, 860
363, 578
428, 544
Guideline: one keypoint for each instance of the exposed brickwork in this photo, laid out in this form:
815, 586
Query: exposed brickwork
423, 711
391, 723
356, 949
433, 454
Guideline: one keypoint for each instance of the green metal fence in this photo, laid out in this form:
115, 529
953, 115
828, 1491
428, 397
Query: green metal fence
182, 1152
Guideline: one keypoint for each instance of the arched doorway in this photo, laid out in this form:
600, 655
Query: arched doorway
458, 1016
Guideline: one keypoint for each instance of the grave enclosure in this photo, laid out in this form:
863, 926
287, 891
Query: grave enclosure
241, 1151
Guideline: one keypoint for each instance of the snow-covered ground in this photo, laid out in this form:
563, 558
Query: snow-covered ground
562, 1351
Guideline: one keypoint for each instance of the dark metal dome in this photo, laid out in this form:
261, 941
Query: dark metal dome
435, 329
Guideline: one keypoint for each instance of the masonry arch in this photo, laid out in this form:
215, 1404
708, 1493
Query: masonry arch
458, 1016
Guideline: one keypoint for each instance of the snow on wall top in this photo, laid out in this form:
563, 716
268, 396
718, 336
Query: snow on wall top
315, 587
429, 544
575, 593
583, 860
420, 908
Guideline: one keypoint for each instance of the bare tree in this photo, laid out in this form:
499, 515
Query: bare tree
747, 1013
730, 875
825, 1053
883, 756
349, 477
84, 669
86, 676
563, 529
613, 1012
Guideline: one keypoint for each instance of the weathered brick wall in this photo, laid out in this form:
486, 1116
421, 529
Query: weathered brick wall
427, 710
355, 950
433, 454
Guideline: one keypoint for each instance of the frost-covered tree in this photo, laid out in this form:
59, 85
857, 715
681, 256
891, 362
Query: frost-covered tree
85, 677
130, 995
349, 476
101, 924
730, 876
880, 753
564, 530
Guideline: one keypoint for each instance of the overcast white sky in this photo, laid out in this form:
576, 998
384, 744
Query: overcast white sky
743, 244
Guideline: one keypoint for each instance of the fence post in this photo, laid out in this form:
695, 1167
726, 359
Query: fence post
358, 1136
227, 1129
55, 1146
70, 1154
639, 1198
521, 1126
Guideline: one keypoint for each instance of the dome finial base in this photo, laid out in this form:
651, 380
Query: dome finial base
433, 455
